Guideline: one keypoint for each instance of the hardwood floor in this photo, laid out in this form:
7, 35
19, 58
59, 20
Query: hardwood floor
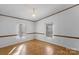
36, 47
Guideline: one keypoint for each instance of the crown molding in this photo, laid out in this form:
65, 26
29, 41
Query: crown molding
57, 12
41, 18
16, 17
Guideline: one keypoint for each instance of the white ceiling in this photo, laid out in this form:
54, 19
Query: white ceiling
25, 10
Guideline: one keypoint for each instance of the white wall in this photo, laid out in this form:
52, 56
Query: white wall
64, 23
10, 26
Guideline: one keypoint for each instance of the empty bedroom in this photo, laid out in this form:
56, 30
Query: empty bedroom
39, 29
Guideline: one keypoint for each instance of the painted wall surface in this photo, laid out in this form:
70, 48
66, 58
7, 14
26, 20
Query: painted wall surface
10, 26
64, 23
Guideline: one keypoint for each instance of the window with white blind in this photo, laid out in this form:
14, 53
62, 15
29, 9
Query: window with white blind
49, 30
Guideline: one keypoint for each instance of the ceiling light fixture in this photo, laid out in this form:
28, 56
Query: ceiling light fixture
34, 14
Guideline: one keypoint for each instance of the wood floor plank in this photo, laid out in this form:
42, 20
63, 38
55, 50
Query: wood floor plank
36, 47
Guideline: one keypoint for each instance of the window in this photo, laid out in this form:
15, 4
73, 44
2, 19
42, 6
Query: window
49, 29
21, 29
